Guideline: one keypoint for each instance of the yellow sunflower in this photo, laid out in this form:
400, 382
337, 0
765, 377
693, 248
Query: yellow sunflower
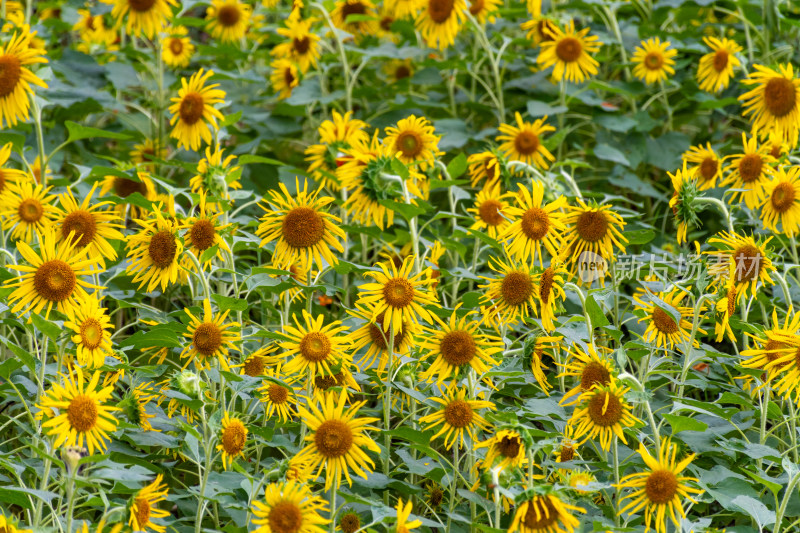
144, 507
661, 490
337, 441
414, 142
778, 343
593, 228
589, 368
27, 209
143, 154
545, 514
284, 77
505, 449
484, 10
570, 53
143, 17
16, 78
204, 233
401, 9
706, 165
211, 338
290, 507
523, 142
92, 336
716, 67
457, 416
215, 176
725, 306
372, 336
491, 212
749, 172
534, 225
278, 394
336, 135
684, 185
785, 366
227, 20
193, 110
654, 61
782, 201
91, 226
750, 257
439, 22
777, 147
404, 525
55, 277
549, 289
10, 178
8, 526
543, 345
232, 439
176, 47
484, 167
301, 46
255, 365
364, 9
669, 324
124, 187
511, 297
539, 29
154, 251
774, 102
77, 412
314, 349
602, 412
399, 69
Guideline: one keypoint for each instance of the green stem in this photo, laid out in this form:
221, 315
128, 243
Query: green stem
453, 485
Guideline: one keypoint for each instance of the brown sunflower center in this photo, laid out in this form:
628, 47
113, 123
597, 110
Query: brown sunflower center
569, 49
2, 186
398, 293
10, 73
592, 226
653, 60
664, 322
82, 413
353, 8
439, 10
409, 143
458, 347
91, 333
775, 349
301, 44
516, 288
775, 151
379, 337
191, 108
285, 517
731, 296
83, 225
229, 15
202, 234
176, 46
350, 522
748, 262
780, 97
489, 211
475, 7
254, 366
436, 496
315, 346
207, 339
720, 60
54, 280
566, 454
142, 512
526, 143
546, 517
141, 6
30, 210
333, 438
458, 414
162, 249
402, 72
594, 373
302, 227
509, 446
546, 284
783, 196
750, 167
124, 187
234, 437
605, 409
661, 486
288, 76
277, 394
535, 223
708, 168
386, 23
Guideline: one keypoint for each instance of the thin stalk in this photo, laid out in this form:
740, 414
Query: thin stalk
453, 486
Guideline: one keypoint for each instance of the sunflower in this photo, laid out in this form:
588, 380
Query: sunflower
539, 29
549, 288
27, 209
395, 296
349, 522
290, 507
716, 67
707, 166
589, 367
215, 176
786, 364
566, 451
336, 135
725, 306
404, 525
144, 506
749, 172
457, 416
204, 233
439, 22
337, 439
278, 394
545, 514
92, 226
685, 190
284, 77
134, 406
193, 110
399, 69
602, 412
90, 325
669, 324
593, 228
751, 259
779, 343
659, 491
654, 61
10, 178
777, 147
782, 201
255, 365
124, 187
301, 46
79, 413
8, 527
570, 53
314, 349
227, 20
52, 278
523, 142
232, 439
485, 167
506, 450
143, 17
372, 336
324, 384
16, 78
774, 102
510, 297
364, 9
401, 9
413, 141
491, 212
484, 10
543, 345
534, 225
154, 251
210, 338
144, 153
176, 47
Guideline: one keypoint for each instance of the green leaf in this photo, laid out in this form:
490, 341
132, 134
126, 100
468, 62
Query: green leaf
250, 158
639, 236
609, 153
757, 510
78, 132
226, 303
457, 166
684, 423
45, 326
408, 211
160, 335
596, 314
540, 109
208, 254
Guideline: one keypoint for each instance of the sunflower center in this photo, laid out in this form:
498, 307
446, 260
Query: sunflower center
458, 414
509, 446
386, 23
83, 225
774, 349
379, 337
516, 288
234, 437
285, 517
191, 109
566, 454
439, 10
569, 49
141, 6
409, 143
398, 293
402, 72
594, 373
775, 151
333, 438
546, 517
202, 234
326, 382
489, 211
30, 210
277, 394
254, 366
592, 226
302, 227
664, 322
10, 74
355, 8
653, 60
124, 187
54, 280
288, 77
602, 414
526, 142
436, 496
301, 44
315, 346
82, 413
142, 512
731, 296
546, 284
780, 96
458, 347
176, 46
91, 333
2, 186
783, 196
750, 167
162, 249
475, 7
661, 486
229, 15
350, 522
720, 60
708, 168
207, 338
535, 223
748, 262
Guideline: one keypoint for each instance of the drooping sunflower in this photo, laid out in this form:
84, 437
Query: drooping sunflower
774, 101
337, 440
77, 412
413, 141
505, 449
204, 233
523, 142
749, 172
707, 166
589, 367
232, 439
301, 46
372, 336
143, 18
144, 507
543, 345
549, 289
570, 53
491, 212
725, 306
193, 110
602, 413
278, 395
55, 277
669, 324
227, 20
439, 22
778, 343
396, 296
313, 347
457, 416
567, 451
154, 252
27, 209
485, 167
16, 78
215, 176
510, 297
210, 337
715, 69
91, 226
404, 525
10, 178
545, 514
176, 47
290, 507
336, 135
593, 228
90, 325
361, 8
684, 191
782, 201
134, 406
750, 257
661, 490
654, 61
301, 228
534, 225
458, 345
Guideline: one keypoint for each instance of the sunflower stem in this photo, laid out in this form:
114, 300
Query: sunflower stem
199, 273
203, 472
665, 99
616, 481
37, 120
453, 485
494, 62
721, 206
387, 407
70, 498
342, 55
786, 497
332, 499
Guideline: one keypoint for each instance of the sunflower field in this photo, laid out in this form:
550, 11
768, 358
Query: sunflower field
429, 266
